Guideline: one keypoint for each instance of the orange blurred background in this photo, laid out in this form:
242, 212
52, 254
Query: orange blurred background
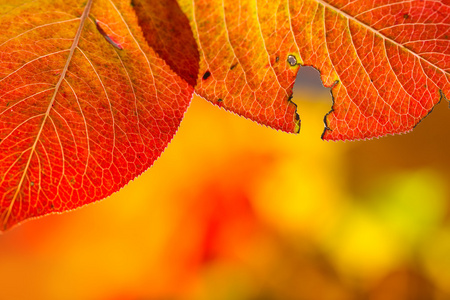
234, 210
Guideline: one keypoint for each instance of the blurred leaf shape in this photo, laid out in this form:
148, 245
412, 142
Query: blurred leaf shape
411, 205
400, 214
80, 118
388, 62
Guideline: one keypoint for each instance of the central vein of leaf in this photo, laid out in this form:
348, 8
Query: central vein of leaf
74, 45
376, 32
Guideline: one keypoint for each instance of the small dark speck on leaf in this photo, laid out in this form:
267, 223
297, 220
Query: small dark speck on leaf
32, 183
206, 75
292, 60
219, 100
233, 66
277, 59
405, 16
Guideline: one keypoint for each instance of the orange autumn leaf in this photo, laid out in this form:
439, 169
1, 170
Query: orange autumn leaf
387, 62
85, 104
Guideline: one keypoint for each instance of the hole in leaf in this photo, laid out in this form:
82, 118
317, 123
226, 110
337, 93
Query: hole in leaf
292, 60
308, 85
313, 100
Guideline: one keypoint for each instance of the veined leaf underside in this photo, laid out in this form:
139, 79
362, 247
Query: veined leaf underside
72, 49
79, 116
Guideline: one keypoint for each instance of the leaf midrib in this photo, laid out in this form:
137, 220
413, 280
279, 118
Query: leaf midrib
62, 76
376, 32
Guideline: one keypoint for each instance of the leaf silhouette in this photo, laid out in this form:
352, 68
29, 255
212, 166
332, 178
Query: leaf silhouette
85, 104
166, 29
388, 62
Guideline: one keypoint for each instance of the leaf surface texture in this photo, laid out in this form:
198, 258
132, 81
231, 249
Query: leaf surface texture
79, 117
388, 62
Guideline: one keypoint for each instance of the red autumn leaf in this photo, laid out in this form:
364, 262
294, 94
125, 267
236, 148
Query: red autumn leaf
388, 62
85, 104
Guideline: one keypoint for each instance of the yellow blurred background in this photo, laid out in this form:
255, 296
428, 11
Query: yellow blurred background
234, 210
